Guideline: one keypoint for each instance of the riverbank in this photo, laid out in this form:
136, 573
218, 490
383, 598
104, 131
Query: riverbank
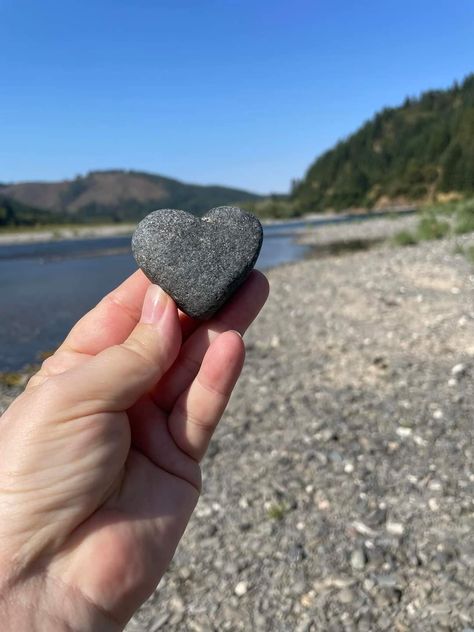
58, 232
376, 230
338, 491
19, 235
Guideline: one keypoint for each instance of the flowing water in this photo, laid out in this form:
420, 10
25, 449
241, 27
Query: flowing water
46, 287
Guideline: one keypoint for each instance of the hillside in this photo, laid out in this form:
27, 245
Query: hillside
14, 213
112, 196
420, 151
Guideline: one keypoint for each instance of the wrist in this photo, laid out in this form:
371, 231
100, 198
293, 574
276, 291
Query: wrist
40, 603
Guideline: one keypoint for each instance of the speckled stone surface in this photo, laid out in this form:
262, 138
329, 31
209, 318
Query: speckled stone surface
199, 262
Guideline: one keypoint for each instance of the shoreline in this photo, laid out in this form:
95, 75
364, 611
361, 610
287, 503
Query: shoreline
59, 233
328, 241
321, 241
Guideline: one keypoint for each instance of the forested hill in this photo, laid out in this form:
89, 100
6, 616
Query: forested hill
416, 152
108, 196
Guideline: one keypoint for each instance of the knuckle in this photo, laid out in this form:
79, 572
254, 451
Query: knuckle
137, 351
115, 301
52, 390
54, 364
198, 421
215, 392
190, 365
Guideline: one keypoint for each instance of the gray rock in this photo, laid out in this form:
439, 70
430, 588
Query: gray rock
387, 581
199, 262
346, 595
358, 559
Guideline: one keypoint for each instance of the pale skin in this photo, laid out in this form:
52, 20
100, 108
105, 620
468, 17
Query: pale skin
99, 457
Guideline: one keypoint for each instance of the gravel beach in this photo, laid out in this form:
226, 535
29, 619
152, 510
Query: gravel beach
338, 492
370, 231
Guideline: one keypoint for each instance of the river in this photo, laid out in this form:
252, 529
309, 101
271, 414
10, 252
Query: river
46, 287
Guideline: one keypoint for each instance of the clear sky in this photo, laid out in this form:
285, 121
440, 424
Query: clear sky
237, 92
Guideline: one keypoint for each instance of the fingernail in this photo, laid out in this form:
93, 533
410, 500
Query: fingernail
154, 305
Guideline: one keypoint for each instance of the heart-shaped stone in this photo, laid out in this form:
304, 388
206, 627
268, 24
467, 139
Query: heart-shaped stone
199, 262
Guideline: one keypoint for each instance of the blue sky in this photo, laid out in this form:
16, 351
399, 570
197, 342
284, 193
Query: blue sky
244, 93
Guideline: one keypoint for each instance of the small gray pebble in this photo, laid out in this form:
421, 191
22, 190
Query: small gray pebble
346, 596
358, 559
199, 262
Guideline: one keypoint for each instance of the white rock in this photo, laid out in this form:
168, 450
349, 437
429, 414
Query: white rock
275, 342
358, 559
368, 584
458, 369
243, 502
395, 528
403, 431
363, 529
203, 511
438, 414
420, 441
241, 588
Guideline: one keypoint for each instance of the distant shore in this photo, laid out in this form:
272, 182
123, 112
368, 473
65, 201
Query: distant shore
55, 233
378, 230
19, 235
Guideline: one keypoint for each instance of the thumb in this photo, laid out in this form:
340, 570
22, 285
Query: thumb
121, 374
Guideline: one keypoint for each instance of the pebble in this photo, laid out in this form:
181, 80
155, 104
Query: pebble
199, 262
458, 369
358, 559
241, 589
387, 581
368, 585
304, 625
363, 529
395, 528
346, 595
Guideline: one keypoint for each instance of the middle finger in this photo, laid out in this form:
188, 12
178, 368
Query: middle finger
237, 314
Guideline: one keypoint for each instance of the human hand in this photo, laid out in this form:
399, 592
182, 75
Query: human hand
99, 457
